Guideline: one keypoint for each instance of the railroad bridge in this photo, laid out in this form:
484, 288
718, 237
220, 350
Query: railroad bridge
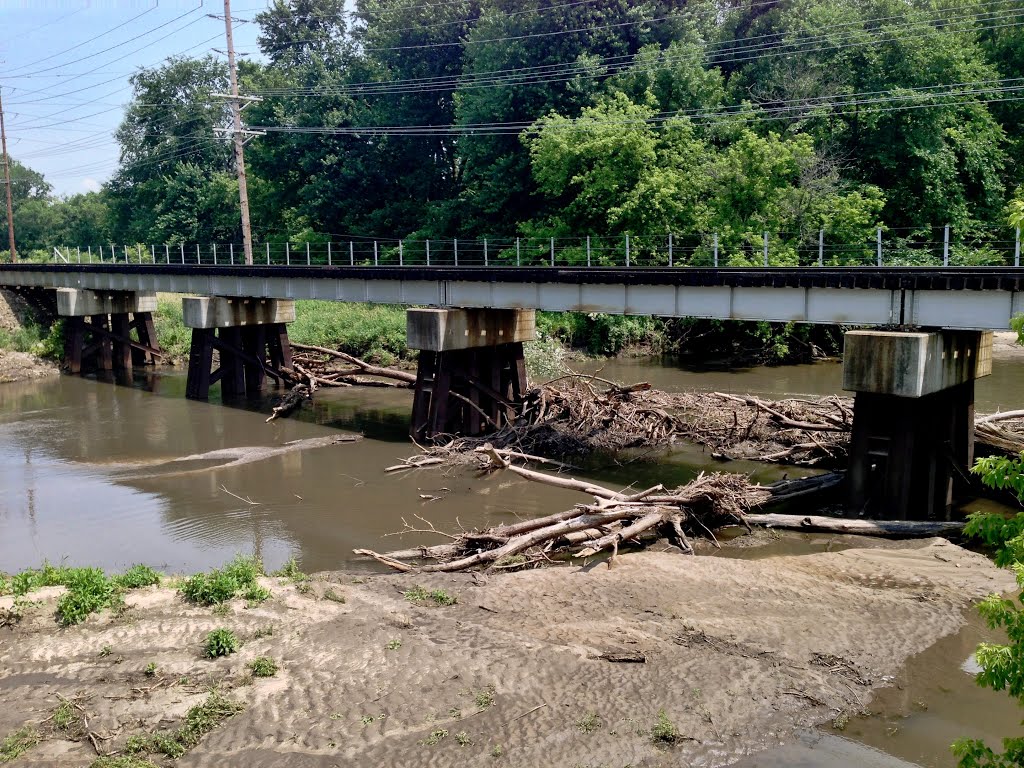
913, 373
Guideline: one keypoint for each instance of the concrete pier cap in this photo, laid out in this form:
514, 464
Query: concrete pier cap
78, 302
445, 330
233, 311
914, 364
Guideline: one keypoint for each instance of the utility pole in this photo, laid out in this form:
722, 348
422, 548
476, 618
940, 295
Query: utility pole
7, 181
236, 109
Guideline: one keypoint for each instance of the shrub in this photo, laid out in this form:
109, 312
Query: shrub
136, 577
664, 730
220, 585
220, 642
263, 666
89, 590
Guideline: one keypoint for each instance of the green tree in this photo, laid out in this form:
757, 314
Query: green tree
168, 132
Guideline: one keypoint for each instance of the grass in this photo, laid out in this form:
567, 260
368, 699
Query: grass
664, 730
263, 666
374, 333
334, 597
122, 761
256, 594
18, 743
220, 642
35, 339
435, 596
199, 721
222, 584
64, 716
89, 590
462, 739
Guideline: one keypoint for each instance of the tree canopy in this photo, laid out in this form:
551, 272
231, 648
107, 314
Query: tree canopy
478, 118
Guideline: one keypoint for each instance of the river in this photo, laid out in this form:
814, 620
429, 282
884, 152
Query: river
88, 475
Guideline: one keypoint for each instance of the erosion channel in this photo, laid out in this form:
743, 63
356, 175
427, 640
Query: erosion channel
820, 649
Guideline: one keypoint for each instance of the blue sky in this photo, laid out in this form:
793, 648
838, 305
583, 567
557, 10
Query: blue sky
64, 69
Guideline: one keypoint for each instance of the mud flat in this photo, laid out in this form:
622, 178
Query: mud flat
19, 366
551, 667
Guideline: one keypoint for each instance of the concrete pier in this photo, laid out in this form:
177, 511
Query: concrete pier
471, 372
250, 337
913, 426
98, 328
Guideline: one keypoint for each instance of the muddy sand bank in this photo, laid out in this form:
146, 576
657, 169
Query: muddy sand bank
737, 653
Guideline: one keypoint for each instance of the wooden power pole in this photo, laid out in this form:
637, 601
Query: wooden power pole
7, 182
236, 109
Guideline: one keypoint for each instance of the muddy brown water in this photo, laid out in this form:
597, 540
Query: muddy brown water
90, 473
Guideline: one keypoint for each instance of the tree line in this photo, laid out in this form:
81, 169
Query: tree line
558, 118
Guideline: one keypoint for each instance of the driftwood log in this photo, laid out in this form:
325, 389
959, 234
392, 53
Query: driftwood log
333, 368
291, 401
614, 517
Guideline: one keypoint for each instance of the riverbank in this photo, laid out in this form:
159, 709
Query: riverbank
663, 660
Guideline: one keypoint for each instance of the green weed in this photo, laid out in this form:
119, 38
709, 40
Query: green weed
393, 645
199, 720
256, 594
437, 596
220, 585
89, 591
136, 577
290, 570
589, 723
462, 739
220, 642
484, 697
267, 631
150, 670
436, 737
64, 716
374, 333
18, 743
664, 730
263, 666
497, 751
121, 761
333, 596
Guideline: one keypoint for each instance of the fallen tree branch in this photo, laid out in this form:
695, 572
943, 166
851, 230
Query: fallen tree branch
889, 528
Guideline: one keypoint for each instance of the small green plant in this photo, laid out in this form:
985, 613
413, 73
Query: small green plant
437, 596
393, 645
121, 761
267, 631
664, 730
220, 642
89, 591
136, 577
64, 716
105, 651
150, 670
18, 743
462, 739
455, 713
290, 570
484, 698
263, 666
367, 719
222, 610
497, 751
589, 723
199, 720
256, 594
436, 737
333, 596
220, 585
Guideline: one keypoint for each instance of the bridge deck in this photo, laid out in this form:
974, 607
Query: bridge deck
968, 298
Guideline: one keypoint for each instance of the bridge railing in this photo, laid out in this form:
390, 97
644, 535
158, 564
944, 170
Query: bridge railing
925, 246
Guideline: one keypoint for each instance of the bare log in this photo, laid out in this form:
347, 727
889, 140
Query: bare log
888, 528
1004, 416
291, 402
365, 367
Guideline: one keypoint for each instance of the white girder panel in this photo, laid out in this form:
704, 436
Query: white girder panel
562, 297
325, 290
514, 295
775, 304
602, 298
352, 290
384, 291
470, 294
424, 292
655, 300
852, 306
962, 309
706, 303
